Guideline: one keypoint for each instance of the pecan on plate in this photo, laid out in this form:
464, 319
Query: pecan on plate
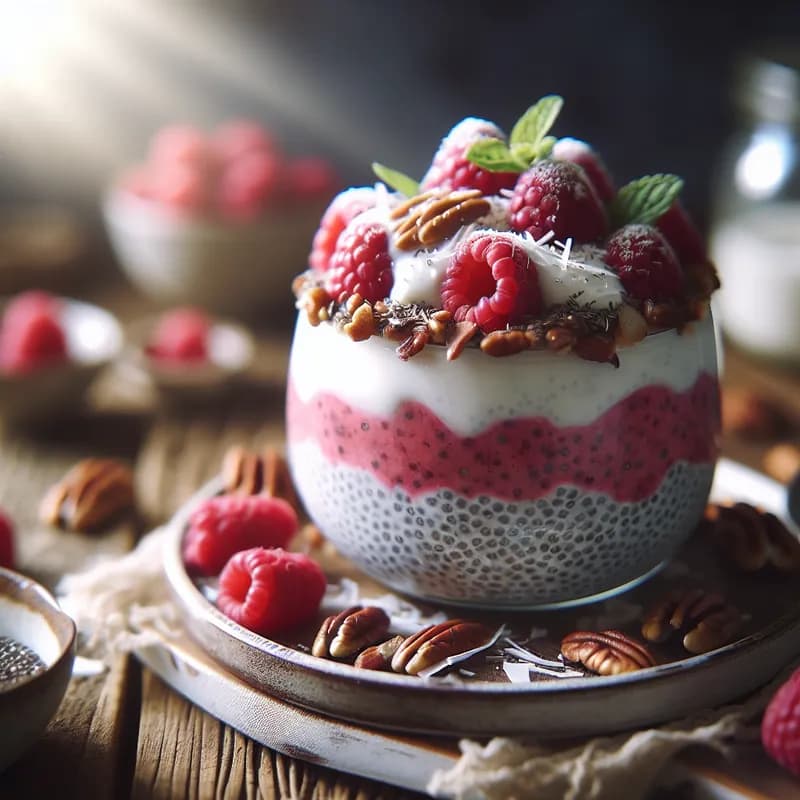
89, 496
707, 619
344, 634
379, 656
606, 652
245, 472
752, 538
436, 643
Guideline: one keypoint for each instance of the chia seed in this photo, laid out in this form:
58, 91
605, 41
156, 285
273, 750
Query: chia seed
17, 662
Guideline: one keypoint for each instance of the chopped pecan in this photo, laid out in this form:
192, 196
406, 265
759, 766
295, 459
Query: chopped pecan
631, 326
708, 620
597, 348
435, 643
362, 323
560, 339
245, 472
752, 538
433, 217
344, 634
606, 652
462, 333
316, 302
504, 343
91, 494
414, 343
379, 656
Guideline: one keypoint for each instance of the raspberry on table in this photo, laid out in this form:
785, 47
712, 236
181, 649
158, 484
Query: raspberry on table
646, 264
248, 184
270, 591
681, 233
557, 196
239, 137
180, 335
345, 207
31, 333
6, 542
451, 170
361, 263
582, 154
780, 726
491, 282
228, 524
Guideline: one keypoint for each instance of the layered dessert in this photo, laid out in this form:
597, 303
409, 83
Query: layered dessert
502, 388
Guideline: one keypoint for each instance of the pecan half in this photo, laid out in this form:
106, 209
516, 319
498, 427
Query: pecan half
435, 643
461, 334
708, 619
379, 656
606, 652
504, 343
344, 634
89, 496
752, 538
431, 218
245, 472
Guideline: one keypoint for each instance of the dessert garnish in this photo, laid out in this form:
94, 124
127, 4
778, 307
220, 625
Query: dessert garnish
525, 237
606, 652
344, 634
706, 619
270, 590
90, 496
32, 335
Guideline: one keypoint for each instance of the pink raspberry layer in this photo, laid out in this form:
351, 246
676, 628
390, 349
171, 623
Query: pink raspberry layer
624, 453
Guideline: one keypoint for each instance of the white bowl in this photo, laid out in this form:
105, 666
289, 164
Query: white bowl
30, 616
227, 268
94, 339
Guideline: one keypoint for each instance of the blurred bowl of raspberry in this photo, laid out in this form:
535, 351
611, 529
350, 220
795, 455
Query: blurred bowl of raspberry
51, 349
219, 220
189, 355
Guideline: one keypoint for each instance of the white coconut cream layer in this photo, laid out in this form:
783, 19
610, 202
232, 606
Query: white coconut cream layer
476, 390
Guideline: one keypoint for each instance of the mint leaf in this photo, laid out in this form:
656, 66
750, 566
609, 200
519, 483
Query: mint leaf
397, 180
534, 124
645, 199
494, 155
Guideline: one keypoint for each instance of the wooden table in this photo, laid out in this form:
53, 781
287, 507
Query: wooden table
124, 733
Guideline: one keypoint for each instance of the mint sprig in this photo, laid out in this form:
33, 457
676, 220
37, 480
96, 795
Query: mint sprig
528, 142
396, 180
645, 199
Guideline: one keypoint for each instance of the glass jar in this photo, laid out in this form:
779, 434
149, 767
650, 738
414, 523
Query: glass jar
755, 232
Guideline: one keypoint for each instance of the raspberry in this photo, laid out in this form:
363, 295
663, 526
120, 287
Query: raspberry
582, 154
270, 591
646, 264
248, 184
182, 187
225, 525
361, 263
181, 335
31, 335
680, 232
491, 281
6, 542
557, 196
309, 178
179, 144
780, 727
239, 137
450, 168
344, 208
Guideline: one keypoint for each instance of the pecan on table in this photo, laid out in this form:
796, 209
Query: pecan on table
245, 472
91, 495
343, 635
607, 652
707, 620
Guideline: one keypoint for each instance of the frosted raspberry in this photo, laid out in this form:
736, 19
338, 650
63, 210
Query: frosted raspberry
270, 591
361, 263
780, 727
179, 144
450, 168
582, 154
557, 196
225, 525
342, 210
681, 233
181, 335
6, 542
248, 185
31, 334
491, 281
309, 178
239, 137
646, 264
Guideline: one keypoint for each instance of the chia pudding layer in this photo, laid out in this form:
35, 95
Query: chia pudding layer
509, 482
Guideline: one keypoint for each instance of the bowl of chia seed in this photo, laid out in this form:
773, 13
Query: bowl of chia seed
37, 649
